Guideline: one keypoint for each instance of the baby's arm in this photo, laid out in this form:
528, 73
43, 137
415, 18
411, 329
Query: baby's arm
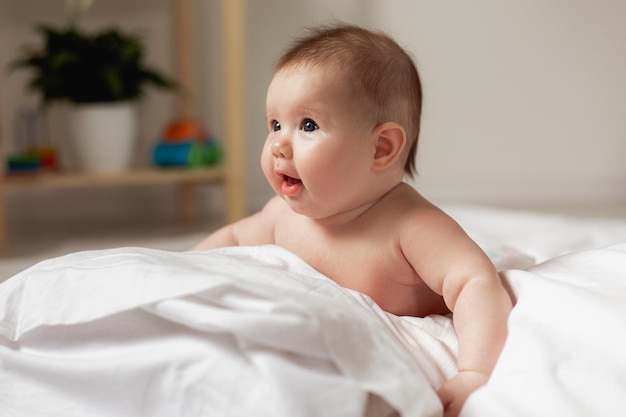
481, 308
257, 229
455, 267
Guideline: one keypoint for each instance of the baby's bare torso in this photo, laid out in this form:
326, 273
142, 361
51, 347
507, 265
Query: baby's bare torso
364, 255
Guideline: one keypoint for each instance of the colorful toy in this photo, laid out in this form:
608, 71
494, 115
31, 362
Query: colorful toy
184, 130
23, 162
33, 150
185, 143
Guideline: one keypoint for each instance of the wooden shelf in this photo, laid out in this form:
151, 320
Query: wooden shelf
231, 175
133, 177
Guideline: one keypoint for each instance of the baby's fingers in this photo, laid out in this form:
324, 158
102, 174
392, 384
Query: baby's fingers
455, 391
451, 408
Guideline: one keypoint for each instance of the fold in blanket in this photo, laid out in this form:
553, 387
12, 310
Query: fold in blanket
241, 332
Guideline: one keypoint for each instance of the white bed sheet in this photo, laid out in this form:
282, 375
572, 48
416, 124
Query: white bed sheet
255, 331
541, 236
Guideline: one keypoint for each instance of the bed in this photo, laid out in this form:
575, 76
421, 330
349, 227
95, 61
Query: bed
254, 331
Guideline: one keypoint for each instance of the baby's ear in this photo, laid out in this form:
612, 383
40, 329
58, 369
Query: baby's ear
389, 141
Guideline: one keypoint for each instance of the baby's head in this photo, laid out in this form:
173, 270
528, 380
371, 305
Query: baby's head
381, 75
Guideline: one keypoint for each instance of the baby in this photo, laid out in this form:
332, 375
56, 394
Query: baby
343, 114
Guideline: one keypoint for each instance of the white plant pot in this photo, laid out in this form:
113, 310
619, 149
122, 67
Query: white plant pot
103, 136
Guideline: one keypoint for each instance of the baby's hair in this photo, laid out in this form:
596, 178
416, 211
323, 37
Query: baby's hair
380, 72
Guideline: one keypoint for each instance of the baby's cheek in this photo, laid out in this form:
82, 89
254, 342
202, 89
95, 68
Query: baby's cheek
267, 166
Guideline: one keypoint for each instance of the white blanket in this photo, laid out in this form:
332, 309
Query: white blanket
237, 332
566, 350
257, 332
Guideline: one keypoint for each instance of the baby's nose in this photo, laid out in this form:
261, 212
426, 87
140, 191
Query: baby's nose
281, 149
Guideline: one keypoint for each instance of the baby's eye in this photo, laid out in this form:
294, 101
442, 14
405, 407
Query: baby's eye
309, 125
275, 125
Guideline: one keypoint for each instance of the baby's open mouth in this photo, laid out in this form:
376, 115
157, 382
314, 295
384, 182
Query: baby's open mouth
291, 180
290, 185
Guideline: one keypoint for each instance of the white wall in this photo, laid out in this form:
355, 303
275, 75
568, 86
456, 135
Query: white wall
525, 102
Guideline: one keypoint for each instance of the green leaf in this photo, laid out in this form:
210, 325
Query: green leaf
89, 67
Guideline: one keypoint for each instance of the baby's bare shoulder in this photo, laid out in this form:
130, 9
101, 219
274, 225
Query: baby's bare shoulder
409, 205
419, 219
260, 228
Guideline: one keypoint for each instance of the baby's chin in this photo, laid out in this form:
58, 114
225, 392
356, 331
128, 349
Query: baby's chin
301, 207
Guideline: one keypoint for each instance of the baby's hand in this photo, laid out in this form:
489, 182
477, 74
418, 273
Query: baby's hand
455, 391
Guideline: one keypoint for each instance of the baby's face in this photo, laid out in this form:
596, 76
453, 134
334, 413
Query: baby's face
318, 152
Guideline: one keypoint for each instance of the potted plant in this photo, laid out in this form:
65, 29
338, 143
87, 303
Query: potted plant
102, 74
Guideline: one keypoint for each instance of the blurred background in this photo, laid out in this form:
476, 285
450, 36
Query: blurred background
524, 106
